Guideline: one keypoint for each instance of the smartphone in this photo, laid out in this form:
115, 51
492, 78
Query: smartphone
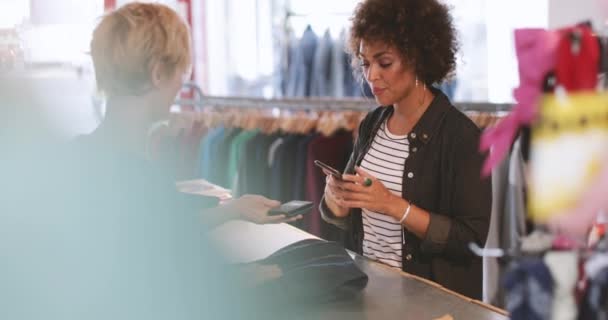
337, 174
292, 209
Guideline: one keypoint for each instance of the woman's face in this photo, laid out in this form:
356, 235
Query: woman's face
390, 77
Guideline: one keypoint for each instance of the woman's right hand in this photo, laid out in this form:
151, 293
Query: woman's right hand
254, 208
332, 192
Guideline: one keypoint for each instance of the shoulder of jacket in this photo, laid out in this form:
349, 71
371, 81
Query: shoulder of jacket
460, 121
461, 128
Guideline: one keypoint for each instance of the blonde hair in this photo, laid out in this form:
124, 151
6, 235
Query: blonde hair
131, 40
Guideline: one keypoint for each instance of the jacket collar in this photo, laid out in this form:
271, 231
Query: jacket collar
431, 119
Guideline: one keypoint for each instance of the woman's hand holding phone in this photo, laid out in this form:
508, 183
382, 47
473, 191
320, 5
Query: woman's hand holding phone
334, 185
344, 192
333, 189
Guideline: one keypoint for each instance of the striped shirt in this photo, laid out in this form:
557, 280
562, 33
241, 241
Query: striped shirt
385, 160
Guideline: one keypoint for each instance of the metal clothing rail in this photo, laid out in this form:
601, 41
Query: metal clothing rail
291, 104
329, 104
316, 103
484, 107
291, 14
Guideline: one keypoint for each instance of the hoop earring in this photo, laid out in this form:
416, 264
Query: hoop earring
416, 82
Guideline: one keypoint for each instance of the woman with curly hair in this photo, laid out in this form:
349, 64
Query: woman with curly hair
412, 196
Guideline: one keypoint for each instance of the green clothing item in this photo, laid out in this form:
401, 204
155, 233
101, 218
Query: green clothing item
235, 154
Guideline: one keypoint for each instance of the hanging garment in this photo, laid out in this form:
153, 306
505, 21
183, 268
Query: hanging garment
537, 242
596, 264
299, 183
289, 166
536, 54
215, 175
286, 51
295, 69
276, 149
529, 290
223, 158
576, 124
247, 177
564, 270
333, 151
284, 168
338, 67
273, 149
308, 46
321, 77
492, 268
300, 68
352, 84
508, 223
254, 173
206, 152
594, 305
235, 155
513, 222
449, 88
578, 57
261, 165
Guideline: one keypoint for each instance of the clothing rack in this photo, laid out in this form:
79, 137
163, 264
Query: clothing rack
329, 104
284, 103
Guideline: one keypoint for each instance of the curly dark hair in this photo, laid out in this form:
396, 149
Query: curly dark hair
422, 31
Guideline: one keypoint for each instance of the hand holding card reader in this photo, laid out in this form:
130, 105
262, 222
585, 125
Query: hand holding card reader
292, 209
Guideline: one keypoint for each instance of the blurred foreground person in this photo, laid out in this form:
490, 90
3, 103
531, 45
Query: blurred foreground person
93, 230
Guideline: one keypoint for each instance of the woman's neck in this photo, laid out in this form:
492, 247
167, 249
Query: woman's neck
125, 125
410, 110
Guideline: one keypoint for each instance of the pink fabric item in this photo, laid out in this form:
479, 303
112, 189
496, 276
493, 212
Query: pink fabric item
536, 54
563, 242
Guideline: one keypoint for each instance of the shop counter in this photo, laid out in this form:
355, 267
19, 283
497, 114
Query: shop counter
390, 293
